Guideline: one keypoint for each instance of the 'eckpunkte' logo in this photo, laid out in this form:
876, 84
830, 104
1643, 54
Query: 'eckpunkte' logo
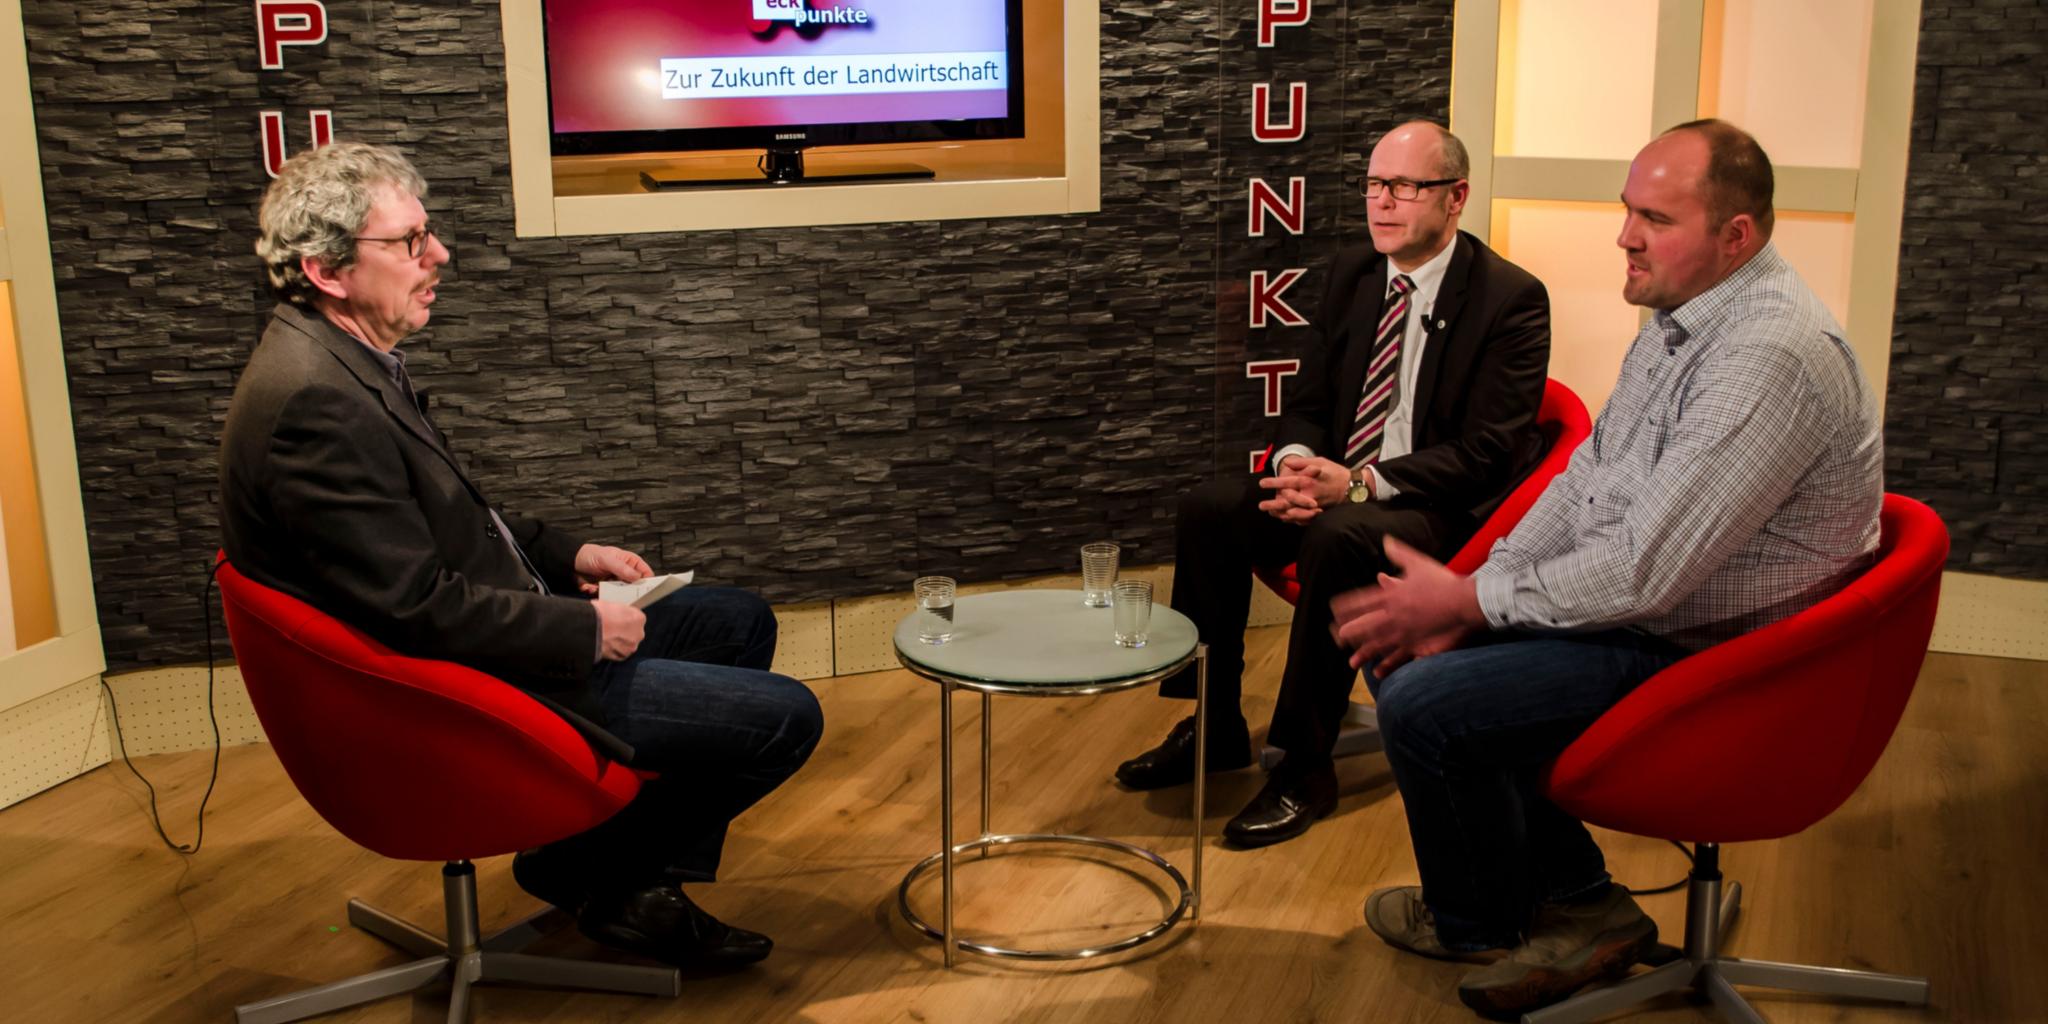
800, 13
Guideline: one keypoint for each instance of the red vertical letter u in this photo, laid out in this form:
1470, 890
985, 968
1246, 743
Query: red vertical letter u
1296, 125
271, 131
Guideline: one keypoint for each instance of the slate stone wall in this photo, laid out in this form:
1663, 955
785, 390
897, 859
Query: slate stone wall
1966, 412
815, 413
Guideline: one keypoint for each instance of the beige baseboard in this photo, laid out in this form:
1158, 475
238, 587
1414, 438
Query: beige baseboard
64, 734
1985, 615
1992, 616
163, 710
53, 738
1268, 609
69, 732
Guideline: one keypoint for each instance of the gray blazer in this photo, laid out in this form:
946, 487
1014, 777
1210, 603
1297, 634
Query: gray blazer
334, 490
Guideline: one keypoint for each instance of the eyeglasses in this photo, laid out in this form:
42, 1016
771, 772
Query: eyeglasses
1402, 188
415, 241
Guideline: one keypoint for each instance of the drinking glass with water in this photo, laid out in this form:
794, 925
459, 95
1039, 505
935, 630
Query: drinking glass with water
934, 608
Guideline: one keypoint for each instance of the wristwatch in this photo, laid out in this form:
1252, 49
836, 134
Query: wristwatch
1360, 490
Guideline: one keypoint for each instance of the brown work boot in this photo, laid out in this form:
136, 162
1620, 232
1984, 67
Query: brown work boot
1570, 945
1399, 916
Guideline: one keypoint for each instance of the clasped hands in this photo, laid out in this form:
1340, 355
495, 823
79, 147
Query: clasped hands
620, 627
1304, 486
1427, 609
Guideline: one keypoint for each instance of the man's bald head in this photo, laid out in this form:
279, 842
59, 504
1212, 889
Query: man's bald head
1738, 176
1451, 159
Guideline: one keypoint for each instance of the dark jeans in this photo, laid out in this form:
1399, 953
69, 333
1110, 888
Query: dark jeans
1468, 733
698, 705
1221, 534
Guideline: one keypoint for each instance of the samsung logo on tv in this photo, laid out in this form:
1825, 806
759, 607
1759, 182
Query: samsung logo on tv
797, 136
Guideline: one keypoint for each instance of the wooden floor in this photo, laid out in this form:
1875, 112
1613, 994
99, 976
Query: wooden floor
1934, 867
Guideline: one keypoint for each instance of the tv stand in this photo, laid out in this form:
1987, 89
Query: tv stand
780, 166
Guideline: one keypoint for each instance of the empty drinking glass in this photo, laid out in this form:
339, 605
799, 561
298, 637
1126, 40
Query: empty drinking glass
1133, 612
934, 608
1098, 571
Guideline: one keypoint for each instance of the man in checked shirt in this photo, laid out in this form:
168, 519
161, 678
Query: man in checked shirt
1733, 479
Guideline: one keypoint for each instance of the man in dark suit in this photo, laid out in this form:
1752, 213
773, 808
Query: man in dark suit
1412, 417
337, 488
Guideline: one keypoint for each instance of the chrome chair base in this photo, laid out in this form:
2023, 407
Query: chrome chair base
462, 961
1700, 968
1717, 978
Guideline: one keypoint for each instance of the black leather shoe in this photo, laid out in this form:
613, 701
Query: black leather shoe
660, 922
1173, 761
548, 876
1286, 806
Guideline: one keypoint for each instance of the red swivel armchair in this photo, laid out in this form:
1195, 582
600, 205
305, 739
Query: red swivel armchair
422, 760
1759, 738
1563, 420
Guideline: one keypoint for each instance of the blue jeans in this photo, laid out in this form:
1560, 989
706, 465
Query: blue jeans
698, 705
1468, 733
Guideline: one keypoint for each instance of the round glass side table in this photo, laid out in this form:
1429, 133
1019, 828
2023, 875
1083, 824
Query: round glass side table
1046, 643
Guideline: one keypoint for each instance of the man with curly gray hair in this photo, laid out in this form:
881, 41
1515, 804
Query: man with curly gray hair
337, 488
317, 209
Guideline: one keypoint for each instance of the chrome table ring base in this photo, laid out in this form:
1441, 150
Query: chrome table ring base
1165, 924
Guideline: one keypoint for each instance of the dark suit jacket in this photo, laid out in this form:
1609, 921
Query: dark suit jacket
1476, 393
334, 490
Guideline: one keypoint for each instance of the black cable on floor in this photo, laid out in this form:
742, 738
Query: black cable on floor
155, 816
1673, 887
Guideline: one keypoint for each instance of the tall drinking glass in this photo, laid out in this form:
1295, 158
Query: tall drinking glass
934, 608
1133, 612
1098, 571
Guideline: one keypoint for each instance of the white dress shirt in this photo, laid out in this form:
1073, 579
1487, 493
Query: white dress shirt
1398, 438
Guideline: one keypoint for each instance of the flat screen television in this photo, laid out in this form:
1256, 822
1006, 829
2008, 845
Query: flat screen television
679, 76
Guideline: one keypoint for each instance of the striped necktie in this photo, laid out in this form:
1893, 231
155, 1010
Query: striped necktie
1377, 400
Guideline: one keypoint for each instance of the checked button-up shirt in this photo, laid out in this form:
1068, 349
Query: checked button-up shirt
1733, 478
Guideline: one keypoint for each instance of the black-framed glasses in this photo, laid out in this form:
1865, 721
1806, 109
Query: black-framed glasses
415, 241
1402, 188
